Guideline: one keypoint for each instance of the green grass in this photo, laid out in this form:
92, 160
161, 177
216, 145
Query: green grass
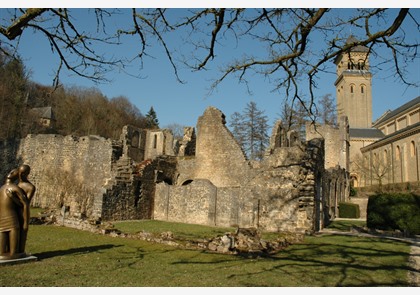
346, 225
73, 258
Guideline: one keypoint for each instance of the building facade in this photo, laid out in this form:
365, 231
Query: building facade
384, 151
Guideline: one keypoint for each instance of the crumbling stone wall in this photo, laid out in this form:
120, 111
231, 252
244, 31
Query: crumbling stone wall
218, 156
66, 170
220, 187
211, 182
280, 197
337, 142
336, 179
92, 176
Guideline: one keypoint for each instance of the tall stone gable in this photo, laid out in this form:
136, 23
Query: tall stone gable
219, 158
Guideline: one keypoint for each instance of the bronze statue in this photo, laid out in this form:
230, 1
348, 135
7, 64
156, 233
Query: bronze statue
14, 218
29, 190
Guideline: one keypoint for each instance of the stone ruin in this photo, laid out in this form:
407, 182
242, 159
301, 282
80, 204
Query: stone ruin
204, 179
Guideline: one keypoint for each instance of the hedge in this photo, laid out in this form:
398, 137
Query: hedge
348, 210
395, 211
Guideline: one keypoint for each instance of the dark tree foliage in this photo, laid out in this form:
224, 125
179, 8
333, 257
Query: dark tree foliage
151, 119
13, 84
77, 111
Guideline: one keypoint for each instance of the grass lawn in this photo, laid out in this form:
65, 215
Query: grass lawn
73, 258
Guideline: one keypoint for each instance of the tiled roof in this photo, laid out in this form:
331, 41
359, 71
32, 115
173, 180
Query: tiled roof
45, 112
398, 111
358, 48
412, 129
365, 133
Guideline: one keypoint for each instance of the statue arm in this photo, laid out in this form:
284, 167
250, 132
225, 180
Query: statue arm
23, 202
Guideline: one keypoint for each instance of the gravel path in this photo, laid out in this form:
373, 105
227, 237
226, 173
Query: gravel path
414, 264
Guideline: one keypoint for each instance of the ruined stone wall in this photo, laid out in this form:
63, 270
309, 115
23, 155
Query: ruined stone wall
94, 177
280, 197
335, 189
336, 142
66, 170
219, 157
158, 142
134, 140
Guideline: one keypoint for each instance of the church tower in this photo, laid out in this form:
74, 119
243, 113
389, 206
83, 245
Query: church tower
354, 86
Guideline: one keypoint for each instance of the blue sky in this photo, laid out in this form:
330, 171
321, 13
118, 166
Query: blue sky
184, 103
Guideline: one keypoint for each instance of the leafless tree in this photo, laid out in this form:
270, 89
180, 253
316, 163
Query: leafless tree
373, 169
299, 43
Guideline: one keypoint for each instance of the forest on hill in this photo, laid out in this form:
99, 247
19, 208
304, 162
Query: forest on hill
75, 110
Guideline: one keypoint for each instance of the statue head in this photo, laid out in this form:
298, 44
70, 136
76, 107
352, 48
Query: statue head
13, 175
24, 170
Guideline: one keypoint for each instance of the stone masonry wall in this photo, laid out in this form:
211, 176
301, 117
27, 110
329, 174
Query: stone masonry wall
280, 198
219, 157
66, 170
220, 187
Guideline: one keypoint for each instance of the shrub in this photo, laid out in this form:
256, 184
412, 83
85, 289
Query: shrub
353, 191
348, 210
394, 212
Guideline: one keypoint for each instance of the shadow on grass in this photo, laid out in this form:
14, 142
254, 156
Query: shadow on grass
352, 263
50, 254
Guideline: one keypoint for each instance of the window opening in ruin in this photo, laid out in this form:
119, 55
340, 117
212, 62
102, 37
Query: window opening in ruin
137, 193
353, 181
155, 141
397, 153
351, 89
135, 140
186, 182
362, 89
167, 181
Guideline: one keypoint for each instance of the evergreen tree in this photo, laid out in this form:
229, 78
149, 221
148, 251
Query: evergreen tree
250, 130
152, 120
237, 127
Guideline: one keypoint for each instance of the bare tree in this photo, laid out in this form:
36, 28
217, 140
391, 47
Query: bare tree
176, 129
326, 110
372, 169
299, 43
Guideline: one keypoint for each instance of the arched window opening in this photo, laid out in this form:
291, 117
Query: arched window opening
351, 89
412, 149
353, 181
362, 89
397, 153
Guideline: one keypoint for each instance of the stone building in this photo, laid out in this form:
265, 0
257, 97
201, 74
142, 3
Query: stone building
220, 186
394, 157
43, 116
384, 151
204, 179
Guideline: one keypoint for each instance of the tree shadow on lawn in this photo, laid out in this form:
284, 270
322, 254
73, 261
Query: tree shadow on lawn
50, 254
353, 264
